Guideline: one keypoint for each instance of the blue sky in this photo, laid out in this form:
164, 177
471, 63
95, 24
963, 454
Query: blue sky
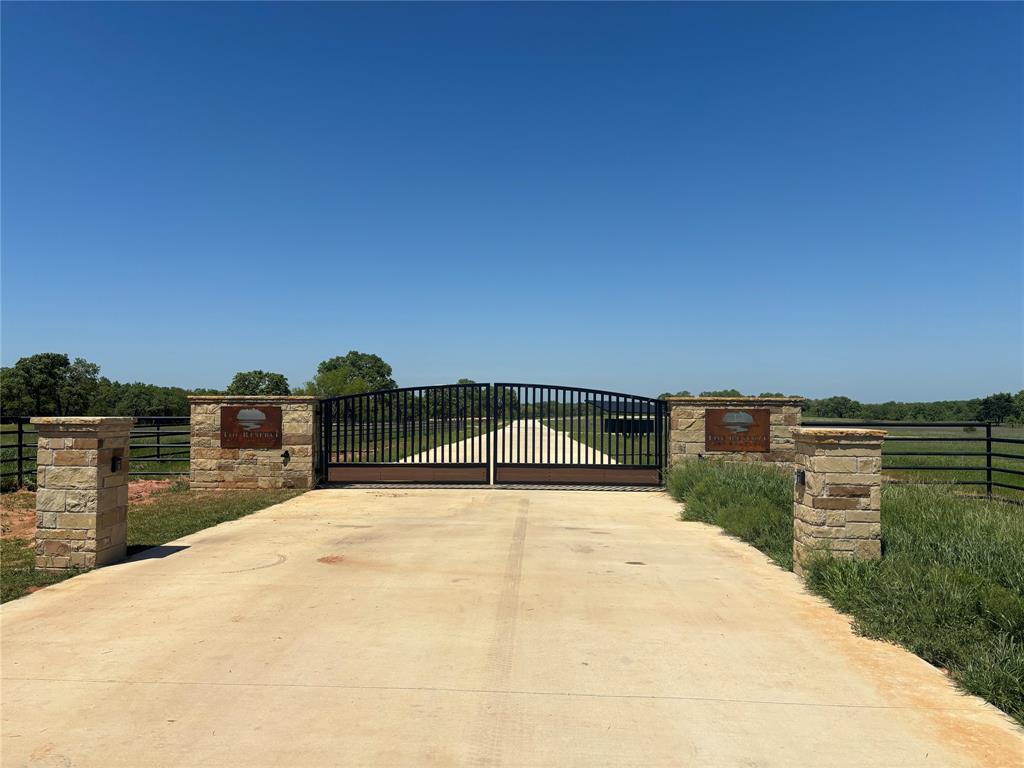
810, 198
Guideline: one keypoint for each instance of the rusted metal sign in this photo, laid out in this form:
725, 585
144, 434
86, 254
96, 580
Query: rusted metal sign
737, 429
250, 426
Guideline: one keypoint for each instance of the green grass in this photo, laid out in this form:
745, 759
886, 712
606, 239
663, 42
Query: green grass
18, 574
177, 512
167, 515
387, 442
588, 428
753, 502
950, 586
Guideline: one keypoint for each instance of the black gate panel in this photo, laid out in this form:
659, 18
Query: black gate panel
411, 435
502, 433
567, 435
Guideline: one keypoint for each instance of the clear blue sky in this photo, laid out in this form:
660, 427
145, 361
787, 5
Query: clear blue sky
813, 198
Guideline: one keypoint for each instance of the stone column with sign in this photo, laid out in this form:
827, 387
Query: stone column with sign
242, 441
749, 429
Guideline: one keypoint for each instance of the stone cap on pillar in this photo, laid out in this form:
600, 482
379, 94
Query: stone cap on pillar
837, 435
740, 402
253, 399
81, 423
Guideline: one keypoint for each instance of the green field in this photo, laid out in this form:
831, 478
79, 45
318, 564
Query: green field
588, 429
381, 442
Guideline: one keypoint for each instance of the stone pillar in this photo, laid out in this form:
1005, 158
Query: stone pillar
837, 496
687, 423
280, 453
82, 491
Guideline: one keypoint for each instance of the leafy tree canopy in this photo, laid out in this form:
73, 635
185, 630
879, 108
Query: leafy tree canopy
51, 384
48, 384
997, 408
349, 375
258, 383
680, 393
722, 393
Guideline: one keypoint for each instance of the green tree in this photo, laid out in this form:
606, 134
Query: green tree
138, 399
839, 407
997, 408
1018, 406
258, 383
722, 393
349, 375
48, 384
14, 396
680, 393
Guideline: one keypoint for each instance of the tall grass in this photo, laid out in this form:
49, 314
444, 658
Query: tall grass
753, 502
950, 586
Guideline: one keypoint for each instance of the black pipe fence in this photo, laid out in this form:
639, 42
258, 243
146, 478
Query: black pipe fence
972, 453
159, 448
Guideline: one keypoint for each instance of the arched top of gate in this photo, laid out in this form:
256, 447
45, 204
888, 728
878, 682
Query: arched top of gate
400, 390
495, 386
588, 390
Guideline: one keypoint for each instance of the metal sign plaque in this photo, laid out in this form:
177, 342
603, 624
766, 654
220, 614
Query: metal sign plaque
737, 429
250, 426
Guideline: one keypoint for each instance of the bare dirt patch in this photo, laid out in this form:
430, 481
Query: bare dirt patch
18, 515
141, 491
18, 509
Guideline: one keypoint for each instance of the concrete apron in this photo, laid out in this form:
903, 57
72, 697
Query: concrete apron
467, 627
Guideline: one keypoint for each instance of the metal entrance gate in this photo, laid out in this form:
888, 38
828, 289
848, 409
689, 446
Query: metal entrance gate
412, 435
550, 434
503, 433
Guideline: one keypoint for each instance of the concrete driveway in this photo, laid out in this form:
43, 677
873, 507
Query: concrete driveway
467, 627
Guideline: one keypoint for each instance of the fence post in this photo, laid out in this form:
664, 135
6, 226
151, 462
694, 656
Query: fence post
988, 458
21, 454
157, 440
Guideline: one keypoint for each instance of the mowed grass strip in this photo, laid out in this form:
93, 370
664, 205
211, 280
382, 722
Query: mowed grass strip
949, 588
164, 516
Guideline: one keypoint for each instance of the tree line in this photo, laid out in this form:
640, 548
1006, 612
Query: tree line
997, 408
52, 384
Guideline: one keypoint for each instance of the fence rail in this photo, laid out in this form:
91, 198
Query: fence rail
159, 448
954, 452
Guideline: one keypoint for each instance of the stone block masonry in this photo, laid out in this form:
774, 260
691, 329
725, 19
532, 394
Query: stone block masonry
837, 496
82, 491
687, 428
293, 465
